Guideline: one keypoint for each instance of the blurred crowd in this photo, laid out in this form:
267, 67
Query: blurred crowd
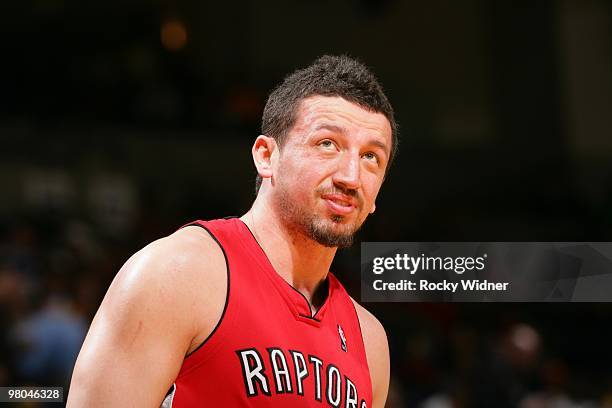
498, 355
53, 275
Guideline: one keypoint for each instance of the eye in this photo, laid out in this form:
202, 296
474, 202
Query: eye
327, 144
371, 157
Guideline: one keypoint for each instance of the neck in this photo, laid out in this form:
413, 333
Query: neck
302, 262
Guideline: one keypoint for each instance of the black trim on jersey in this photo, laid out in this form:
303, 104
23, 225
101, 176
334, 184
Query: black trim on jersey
309, 317
312, 316
363, 343
327, 388
227, 294
360, 329
170, 390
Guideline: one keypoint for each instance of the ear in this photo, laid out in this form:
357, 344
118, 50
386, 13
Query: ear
373, 208
262, 151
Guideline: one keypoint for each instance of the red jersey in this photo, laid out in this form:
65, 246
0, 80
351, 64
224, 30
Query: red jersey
268, 350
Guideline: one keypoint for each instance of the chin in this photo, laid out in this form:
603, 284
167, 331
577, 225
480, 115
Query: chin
340, 225
337, 219
344, 221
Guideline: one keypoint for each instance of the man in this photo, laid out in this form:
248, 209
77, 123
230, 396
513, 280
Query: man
244, 311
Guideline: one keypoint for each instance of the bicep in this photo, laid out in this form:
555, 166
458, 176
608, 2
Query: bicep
135, 347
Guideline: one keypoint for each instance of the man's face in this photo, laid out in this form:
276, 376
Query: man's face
330, 169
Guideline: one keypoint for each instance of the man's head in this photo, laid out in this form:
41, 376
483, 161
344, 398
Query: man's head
328, 137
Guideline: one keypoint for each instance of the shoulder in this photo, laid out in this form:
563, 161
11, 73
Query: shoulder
374, 335
176, 262
183, 255
166, 280
377, 353
370, 323
188, 261
186, 246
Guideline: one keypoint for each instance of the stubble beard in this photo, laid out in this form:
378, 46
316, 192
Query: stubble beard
329, 232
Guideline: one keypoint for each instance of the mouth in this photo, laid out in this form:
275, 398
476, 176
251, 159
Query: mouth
339, 204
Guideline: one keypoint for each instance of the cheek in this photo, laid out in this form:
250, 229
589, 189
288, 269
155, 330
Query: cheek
371, 187
294, 182
305, 169
291, 163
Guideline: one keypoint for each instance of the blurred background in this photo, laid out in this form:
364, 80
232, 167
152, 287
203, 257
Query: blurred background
121, 121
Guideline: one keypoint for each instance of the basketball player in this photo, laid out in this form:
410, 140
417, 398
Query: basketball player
244, 311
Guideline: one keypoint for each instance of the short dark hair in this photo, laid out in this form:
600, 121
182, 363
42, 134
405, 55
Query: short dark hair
329, 75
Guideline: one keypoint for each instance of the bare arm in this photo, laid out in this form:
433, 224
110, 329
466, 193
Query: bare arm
377, 353
145, 325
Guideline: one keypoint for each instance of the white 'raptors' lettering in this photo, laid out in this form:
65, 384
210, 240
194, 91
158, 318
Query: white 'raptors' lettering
333, 386
253, 372
301, 371
339, 389
282, 380
317, 363
351, 394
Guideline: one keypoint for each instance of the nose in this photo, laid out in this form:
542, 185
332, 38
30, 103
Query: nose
347, 174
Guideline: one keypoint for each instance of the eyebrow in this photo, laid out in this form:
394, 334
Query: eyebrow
333, 128
380, 144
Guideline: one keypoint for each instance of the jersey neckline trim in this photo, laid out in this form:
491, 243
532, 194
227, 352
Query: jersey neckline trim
298, 302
